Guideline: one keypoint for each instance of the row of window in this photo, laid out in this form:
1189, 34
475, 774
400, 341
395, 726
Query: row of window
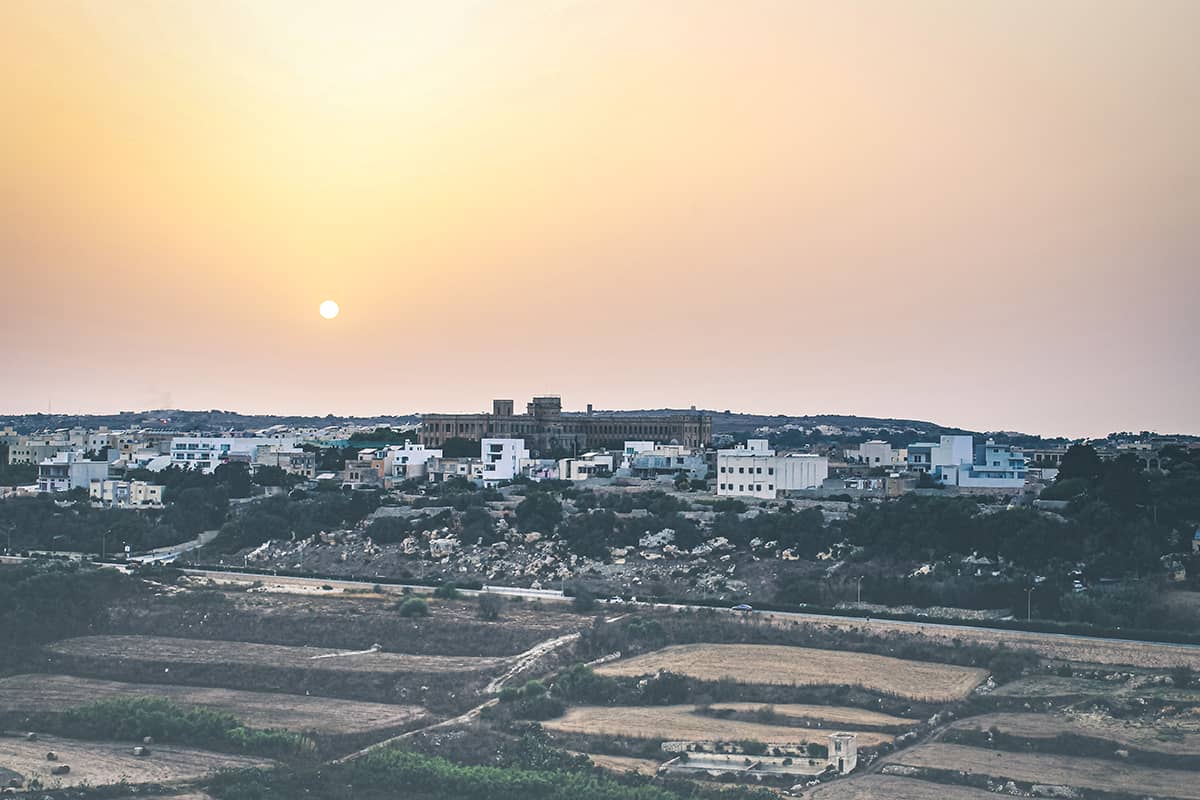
754, 487
753, 470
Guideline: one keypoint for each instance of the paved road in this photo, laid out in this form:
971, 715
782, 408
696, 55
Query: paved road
801, 616
315, 584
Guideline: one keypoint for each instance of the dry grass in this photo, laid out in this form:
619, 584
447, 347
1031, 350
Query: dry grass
1053, 686
875, 787
36, 693
642, 766
835, 715
1084, 773
804, 666
163, 649
1162, 738
1079, 649
105, 763
682, 723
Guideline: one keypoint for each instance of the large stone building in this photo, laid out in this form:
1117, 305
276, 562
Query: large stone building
545, 428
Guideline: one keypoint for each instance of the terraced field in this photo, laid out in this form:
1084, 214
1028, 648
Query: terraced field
164, 649
106, 763
878, 787
684, 724
1086, 773
642, 766
42, 693
1054, 686
1159, 737
804, 666
835, 715
1078, 649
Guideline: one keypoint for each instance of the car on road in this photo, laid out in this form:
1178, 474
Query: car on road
615, 601
742, 607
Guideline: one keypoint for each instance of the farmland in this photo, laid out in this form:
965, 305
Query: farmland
802, 666
1091, 773
642, 766
101, 763
164, 649
43, 693
1077, 649
345, 622
834, 715
1156, 737
1054, 686
874, 787
684, 723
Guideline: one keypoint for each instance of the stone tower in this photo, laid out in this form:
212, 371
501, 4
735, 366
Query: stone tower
843, 751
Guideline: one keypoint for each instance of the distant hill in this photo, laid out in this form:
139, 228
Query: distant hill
736, 422
177, 419
724, 422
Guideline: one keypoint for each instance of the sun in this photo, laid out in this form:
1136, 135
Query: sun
329, 309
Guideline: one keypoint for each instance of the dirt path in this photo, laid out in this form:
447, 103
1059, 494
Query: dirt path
523, 662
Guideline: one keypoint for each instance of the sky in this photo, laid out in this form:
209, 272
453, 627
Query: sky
985, 214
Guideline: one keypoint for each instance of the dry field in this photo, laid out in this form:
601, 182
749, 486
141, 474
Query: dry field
352, 622
1052, 686
1087, 773
103, 763
835, 715
1163, 739
682, 723
876, 787
35, 693
163, 649
642, 766
804, 666
1079, 649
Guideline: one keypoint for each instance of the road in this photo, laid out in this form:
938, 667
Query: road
316, 586
779, 616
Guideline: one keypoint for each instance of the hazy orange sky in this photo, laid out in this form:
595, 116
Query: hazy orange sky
982, 213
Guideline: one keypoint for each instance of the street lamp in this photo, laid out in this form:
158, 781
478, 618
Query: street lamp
859, 581
1029, 603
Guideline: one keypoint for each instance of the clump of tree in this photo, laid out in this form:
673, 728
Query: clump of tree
133, 718
490, 606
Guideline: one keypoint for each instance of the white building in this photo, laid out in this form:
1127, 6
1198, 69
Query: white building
632, 449
757, 471
957, 461
588, 465
409, 460
126, 494
502, 459
207, 453
876, 453
69, 470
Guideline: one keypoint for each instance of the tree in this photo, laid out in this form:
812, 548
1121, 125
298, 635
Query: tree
490, 606
235, 475
414, 607
457, 447
1080, 461
584, 601
539, 511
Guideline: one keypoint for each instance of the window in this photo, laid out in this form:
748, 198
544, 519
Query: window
759, 470
741, 469
770, 470
770, 487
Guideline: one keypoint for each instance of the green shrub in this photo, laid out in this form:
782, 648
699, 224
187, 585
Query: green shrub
414, 607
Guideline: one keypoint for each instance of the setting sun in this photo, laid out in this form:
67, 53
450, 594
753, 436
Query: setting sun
329, 309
